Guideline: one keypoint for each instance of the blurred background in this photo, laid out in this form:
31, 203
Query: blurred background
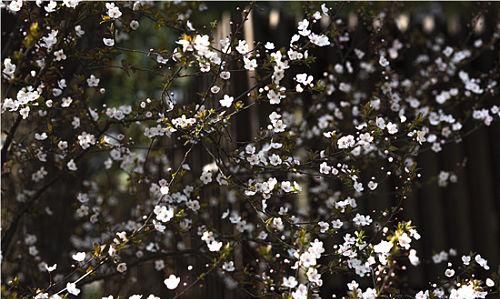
462, 215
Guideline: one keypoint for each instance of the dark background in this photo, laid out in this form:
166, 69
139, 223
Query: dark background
463, 215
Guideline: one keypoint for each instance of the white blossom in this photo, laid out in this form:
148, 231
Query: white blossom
226, 101
113, 11
72, 289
